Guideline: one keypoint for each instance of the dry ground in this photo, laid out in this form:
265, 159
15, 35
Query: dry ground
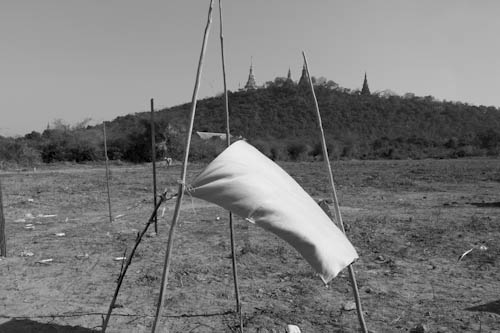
409, 220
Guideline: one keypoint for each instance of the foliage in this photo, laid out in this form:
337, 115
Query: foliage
280, 121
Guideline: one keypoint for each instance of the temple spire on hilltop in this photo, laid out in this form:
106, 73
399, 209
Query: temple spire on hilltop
304, 79
251, 85
289, 75
365, 90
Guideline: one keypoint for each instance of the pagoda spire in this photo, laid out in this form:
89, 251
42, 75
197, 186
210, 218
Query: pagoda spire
304, 79
251, 85
365, 90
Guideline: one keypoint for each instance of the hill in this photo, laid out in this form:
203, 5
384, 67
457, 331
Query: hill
279, 119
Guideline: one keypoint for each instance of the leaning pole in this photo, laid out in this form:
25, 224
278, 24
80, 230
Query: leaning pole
338, 216
182, 183
228, 143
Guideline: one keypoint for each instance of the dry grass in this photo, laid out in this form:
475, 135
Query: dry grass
410, 221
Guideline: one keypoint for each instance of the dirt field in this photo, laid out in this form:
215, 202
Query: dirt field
409, 220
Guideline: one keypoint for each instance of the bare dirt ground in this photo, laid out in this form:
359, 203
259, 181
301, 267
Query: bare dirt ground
409, 220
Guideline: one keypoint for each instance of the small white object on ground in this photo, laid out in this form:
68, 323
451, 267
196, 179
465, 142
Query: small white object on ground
163, 212
119, 215
29, 216
20, 220
29, 226
27, 253
292, 329
120, 258
45, 261
60, 234
464, 254
349, 306
217, 218
31, 200
48, 215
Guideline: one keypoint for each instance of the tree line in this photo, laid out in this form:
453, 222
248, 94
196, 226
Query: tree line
279, 120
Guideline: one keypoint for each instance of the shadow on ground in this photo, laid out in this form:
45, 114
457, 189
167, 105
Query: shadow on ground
30, 326
493, 307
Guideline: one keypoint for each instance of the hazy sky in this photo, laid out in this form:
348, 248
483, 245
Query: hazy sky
74, 59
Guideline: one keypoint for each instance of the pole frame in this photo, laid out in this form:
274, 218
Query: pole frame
124, 268
228, 143
107, 170
153, 160
3, 242
182, 183
338, 216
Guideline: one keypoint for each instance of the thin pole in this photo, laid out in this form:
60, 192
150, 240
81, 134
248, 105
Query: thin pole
129, 260
107, 170
228, 143
182, 184
338, 216
3, 243
153, 159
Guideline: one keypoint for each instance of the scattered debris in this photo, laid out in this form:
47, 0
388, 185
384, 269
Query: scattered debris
27, 253
120, 258
60, 234
292, 329
45, 261
119, 215
29, 226
20, 220
420, 328
480, 248
29, 216
31, 200
349, 306
163, 211
464, 254
217, 218
82, 256
49, 215
151, 234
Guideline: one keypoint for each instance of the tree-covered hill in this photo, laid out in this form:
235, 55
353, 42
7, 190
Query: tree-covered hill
280, 121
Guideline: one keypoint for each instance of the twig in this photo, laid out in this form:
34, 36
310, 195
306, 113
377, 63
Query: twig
182, 184
335, 200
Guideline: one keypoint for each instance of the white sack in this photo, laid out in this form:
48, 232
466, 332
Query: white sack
246, 182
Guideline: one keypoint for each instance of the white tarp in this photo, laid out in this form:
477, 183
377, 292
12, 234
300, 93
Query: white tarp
246, 182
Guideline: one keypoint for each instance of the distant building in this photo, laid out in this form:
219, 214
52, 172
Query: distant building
211, 135
251, 85
365, 90
304, 79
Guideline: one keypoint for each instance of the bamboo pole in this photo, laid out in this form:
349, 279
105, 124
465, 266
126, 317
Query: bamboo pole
153, 159
182, 184
123, 271
228, 143
107, 170
3, 243
338, 216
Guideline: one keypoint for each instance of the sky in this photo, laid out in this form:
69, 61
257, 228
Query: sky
100, 59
